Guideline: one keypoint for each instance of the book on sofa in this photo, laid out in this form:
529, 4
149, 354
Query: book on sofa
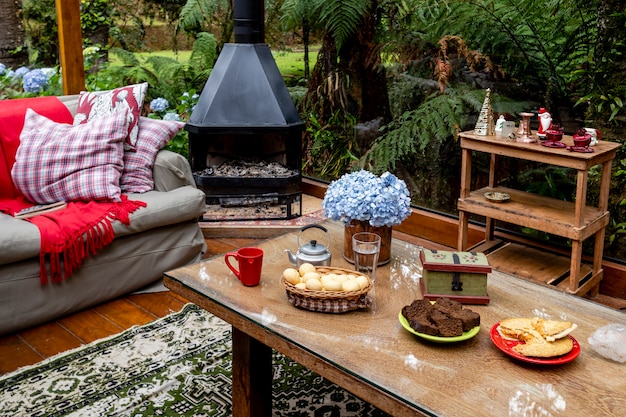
38, 209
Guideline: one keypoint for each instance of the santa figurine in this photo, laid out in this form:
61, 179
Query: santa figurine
545, 121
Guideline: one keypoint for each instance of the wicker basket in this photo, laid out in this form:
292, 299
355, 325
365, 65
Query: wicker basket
329, 301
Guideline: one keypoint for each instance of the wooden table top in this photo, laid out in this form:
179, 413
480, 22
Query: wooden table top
603, 151
401, 373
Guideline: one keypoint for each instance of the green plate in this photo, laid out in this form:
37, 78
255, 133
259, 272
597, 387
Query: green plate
438, 339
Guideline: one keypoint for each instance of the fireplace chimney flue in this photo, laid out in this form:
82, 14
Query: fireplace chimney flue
249, 16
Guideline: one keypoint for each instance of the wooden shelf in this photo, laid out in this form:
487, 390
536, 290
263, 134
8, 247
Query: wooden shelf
535, 211
576, 221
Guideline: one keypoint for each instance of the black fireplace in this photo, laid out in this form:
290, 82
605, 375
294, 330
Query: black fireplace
245, 133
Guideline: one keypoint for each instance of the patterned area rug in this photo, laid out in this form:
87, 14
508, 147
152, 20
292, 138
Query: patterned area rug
179, 365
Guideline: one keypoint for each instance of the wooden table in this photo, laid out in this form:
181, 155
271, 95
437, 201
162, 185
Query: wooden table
368, 352
576, 221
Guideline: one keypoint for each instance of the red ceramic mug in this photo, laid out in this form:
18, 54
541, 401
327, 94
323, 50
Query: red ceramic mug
250, 261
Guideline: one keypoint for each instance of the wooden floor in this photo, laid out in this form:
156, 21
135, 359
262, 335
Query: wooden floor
33, 345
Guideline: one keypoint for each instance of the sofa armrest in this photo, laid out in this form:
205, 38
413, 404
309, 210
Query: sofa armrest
171, 170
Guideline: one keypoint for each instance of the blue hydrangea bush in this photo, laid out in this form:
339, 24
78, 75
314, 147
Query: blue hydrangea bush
24, 82
160, 108
361, 195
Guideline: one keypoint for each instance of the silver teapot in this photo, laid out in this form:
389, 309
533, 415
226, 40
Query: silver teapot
311, 252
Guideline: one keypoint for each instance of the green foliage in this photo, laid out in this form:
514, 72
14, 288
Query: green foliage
216, 16
131, 72
550, 181
601, 74
406, 92
294, 12
341, 18
177, 82
95, 14
168, 8
203, 54
438, 117
168, 78
202, 15
125, 27
39, 18
601, 101
618, 227
97, 17
539, 41
297, 94
333, 143
11, 86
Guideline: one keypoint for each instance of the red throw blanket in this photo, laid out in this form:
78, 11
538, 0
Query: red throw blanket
70, 235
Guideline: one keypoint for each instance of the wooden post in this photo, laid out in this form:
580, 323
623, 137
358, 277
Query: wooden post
71, 46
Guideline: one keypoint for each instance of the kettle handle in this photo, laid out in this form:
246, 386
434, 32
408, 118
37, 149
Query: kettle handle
317, 226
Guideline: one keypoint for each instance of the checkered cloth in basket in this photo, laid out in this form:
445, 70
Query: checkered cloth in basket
336, 305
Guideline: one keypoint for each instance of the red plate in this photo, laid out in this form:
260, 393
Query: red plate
583, 149
506, 346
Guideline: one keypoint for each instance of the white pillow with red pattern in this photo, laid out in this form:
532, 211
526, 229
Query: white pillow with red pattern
97, 104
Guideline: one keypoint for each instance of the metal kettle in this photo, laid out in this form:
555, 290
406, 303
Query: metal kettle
312, 252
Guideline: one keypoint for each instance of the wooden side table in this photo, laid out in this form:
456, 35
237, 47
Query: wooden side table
576, 221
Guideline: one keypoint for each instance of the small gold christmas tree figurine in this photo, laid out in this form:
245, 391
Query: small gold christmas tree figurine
485, 125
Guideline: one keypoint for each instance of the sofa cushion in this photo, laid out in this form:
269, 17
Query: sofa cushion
94, 105
20, 239
138, 163
170, 171
163, 208
61, 162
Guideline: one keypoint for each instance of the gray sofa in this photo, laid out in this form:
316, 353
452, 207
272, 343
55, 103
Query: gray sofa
160, 237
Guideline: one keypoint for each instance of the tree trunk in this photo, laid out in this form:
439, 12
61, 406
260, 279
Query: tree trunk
353, 80
361, 61
227, 26
306, 40
13, 52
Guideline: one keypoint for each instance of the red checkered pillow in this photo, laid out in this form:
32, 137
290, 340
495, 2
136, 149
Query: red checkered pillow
61, 162
153, 135
92, 106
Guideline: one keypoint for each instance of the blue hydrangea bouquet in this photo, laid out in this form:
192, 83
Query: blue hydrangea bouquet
363, 196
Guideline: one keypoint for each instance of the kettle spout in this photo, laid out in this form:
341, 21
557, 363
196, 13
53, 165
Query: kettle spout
291, 256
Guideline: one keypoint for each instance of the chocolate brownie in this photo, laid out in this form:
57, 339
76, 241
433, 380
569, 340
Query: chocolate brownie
420, 307
421, 324
469, 318
447, 305
444, 318
450, 327
437, 316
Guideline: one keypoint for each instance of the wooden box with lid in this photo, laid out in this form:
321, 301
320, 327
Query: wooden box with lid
460, 276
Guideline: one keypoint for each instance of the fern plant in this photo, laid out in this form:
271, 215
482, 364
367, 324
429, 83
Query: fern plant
341, 18
550, 181
440, 116
332, 146
167, 77
198, 16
